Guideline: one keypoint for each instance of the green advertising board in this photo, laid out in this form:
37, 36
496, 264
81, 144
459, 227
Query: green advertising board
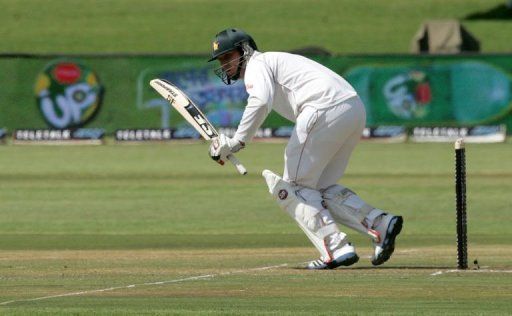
446, 93
113, 92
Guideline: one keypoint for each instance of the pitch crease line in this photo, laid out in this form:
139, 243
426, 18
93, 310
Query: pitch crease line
193, 278
470, 271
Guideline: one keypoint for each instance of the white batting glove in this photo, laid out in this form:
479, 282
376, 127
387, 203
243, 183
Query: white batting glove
223, 146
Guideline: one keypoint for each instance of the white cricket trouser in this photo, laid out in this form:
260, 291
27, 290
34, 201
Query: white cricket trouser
322, 141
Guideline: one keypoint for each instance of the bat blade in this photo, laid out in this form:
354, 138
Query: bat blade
190, 112
182, 103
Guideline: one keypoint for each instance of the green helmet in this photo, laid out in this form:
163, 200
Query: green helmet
228, 40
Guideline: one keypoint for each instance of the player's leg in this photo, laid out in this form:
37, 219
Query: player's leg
317, 137
304, 205
308, 151
345, 206
349, 209
388, 226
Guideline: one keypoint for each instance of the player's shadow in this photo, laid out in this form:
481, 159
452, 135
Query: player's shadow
390, 268
500, 12
403, 268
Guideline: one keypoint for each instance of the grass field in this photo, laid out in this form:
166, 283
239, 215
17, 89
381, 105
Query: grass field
187, 26
160, 229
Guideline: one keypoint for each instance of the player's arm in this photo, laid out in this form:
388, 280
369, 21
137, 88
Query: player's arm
260, 86
254, 115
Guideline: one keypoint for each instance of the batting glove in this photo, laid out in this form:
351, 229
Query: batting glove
223, 146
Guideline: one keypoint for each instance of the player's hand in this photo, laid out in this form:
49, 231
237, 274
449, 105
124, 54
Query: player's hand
223, 146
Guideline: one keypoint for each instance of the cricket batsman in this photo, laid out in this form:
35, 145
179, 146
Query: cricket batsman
329, 119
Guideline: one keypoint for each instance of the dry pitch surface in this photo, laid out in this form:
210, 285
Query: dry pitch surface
416, 280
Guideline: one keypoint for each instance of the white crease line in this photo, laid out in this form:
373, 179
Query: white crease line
470, 271
199, 277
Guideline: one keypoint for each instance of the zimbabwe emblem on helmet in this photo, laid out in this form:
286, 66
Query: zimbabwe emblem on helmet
282, 194
215, 45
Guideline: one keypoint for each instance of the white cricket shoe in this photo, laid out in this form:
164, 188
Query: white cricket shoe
388, 227
345, 256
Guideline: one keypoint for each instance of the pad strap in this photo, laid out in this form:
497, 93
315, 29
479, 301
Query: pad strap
327, 230
370, 218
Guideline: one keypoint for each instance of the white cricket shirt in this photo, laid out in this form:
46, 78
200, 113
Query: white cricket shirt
287, 83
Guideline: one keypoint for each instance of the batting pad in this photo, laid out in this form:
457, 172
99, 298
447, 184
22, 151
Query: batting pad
304, 205
349, 209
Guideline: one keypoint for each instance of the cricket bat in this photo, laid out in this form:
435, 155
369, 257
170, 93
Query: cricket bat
186, 107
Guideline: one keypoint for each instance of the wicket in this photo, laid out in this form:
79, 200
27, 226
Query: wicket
460, 198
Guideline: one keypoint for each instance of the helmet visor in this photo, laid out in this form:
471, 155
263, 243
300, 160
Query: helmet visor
229, 70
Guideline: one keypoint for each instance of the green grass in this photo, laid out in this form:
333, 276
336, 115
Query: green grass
76, 219
88, 218
181, 26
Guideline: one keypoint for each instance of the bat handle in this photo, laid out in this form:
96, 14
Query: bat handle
237, 164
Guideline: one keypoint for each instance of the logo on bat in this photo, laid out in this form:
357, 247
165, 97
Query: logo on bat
172, 94
200, 119
204, 125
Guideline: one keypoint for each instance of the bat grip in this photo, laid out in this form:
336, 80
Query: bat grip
241, 169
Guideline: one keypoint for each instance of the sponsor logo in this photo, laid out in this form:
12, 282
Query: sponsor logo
171, 99
408, 94
200, 120
168, 87
143, 134
384, 132
475, 134
66, 73
68, 94
80, 134
283, 194
204, 125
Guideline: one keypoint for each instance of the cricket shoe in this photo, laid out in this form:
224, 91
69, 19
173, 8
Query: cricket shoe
388, 228
345, 256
